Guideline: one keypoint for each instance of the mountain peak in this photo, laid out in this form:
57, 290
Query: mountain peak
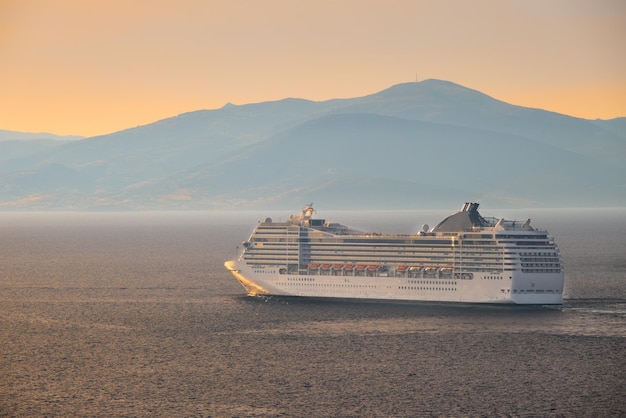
429, 88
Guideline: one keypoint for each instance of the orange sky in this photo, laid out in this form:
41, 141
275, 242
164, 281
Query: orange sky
94, 67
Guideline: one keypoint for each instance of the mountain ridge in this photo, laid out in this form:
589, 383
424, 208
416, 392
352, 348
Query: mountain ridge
433, 139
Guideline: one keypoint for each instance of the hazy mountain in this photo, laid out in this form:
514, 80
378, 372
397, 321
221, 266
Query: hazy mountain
396, 163
448, 103
616, 126
19, 144
23, 136
427, 144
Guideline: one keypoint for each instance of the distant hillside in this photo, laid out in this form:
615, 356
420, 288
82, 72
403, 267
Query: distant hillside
15, 145
427, 144
23, 136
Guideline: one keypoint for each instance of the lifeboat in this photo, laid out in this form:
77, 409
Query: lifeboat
314, 266
373, 267
361, 267
349, 267
325, 266
402, 268
337, 266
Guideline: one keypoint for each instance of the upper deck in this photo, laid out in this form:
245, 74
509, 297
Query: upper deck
467, 220
463, 240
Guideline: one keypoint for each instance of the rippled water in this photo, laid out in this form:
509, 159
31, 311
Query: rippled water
134, 315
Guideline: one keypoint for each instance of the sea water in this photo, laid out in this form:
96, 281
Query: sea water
133, 314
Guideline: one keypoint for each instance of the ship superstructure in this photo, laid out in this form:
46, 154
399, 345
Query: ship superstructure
465, 258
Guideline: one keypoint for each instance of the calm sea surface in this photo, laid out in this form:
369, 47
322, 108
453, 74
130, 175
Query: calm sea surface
134, 315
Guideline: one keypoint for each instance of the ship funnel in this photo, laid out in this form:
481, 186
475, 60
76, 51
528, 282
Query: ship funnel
469, 207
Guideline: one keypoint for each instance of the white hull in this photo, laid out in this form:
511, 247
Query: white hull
466, 258
483, 288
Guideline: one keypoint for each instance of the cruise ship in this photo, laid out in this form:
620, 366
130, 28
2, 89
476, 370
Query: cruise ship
466, 258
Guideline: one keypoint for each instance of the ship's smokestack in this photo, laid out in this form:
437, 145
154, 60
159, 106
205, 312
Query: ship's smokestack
469, 207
